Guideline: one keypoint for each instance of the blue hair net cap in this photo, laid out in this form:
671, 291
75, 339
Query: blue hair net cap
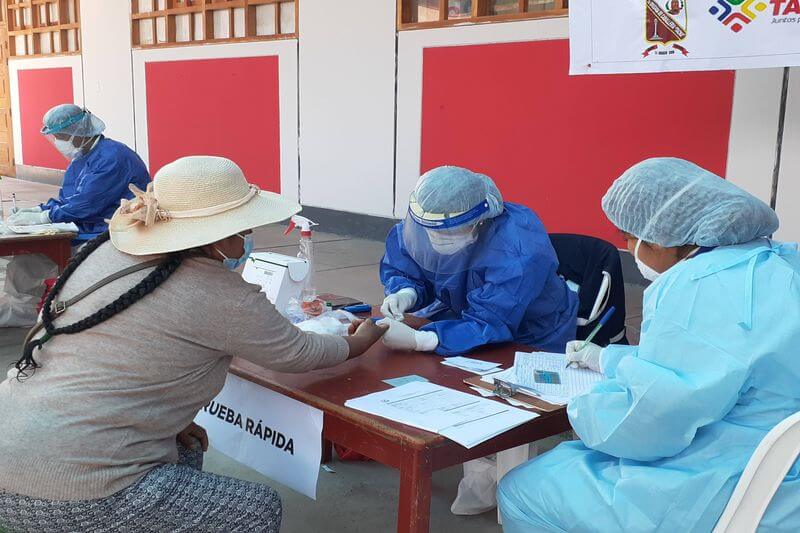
452, 190
71, 119
672, 202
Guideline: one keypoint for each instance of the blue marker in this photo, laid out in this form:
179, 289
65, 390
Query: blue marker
360, 308
599, 325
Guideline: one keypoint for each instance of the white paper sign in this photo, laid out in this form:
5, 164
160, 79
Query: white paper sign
272, 434
676, 35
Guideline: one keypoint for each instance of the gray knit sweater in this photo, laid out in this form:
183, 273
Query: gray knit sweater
108, 402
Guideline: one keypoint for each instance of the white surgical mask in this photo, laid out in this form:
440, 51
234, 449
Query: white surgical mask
450, 242
648, 273
67, 149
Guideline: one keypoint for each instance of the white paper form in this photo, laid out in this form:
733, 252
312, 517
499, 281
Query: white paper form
574, 381
462, 417
476, 366
34, 229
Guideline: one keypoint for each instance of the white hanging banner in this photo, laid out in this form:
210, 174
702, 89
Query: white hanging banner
627, 36
272, 434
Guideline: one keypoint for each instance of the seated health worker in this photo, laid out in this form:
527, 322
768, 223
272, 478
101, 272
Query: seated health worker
98, 419
482, 270
98, 176
666, 436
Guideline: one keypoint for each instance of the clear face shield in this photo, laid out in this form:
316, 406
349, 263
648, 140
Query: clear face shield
442, 243
70, 146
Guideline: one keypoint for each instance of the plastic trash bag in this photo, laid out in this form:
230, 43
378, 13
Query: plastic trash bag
329, 323
477, 490
23, 288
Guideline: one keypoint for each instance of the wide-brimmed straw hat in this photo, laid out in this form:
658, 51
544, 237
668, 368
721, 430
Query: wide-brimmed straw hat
192, 202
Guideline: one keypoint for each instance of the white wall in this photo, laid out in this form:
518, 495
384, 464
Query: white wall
754, 130
789, 178
347, 76
107, 72
337, 101
17, 64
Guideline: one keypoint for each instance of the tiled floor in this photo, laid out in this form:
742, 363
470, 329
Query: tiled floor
359, 497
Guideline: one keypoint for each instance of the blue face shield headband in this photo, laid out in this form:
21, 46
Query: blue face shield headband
234, 263
55, 128
440, 222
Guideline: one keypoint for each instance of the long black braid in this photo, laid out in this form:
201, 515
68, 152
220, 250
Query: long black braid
140, 290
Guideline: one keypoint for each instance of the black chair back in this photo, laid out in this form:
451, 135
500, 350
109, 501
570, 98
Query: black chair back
583, 259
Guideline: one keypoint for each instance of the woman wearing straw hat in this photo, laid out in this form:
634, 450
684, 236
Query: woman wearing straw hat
136, 336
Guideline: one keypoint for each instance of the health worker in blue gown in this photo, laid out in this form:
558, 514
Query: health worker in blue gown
666, 436
482, 270
98, 177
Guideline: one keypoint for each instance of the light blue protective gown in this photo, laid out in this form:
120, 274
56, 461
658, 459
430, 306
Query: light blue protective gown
665, 438
94, 184
509, 289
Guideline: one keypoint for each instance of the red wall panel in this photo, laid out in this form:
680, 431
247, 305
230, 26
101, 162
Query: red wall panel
39, 90
555, 142
223, 107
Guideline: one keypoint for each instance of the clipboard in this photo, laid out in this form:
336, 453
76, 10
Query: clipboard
530, 401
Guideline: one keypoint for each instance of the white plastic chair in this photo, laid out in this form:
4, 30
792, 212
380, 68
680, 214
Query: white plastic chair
765, 471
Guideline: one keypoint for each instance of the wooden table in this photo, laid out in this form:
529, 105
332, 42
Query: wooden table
58, 247
416, 453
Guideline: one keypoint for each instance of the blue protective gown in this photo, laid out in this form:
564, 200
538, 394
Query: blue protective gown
509, 292
666, 437
94, 184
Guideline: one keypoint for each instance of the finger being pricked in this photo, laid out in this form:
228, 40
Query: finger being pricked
370, 327
354, 326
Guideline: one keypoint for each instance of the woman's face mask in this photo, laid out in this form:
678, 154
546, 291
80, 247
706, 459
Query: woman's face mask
234, 263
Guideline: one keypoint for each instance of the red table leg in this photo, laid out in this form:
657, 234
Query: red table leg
61, 254
415, 491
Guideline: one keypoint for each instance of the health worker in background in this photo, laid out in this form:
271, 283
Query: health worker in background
98, 176
97, 179
482, 270
665, 438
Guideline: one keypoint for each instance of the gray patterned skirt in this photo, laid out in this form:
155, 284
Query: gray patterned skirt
171, 497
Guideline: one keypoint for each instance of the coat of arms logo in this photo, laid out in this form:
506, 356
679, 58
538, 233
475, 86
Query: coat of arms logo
666, 23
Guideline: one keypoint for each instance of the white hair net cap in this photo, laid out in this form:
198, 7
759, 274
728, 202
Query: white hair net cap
70, 119
672, 202
452, 190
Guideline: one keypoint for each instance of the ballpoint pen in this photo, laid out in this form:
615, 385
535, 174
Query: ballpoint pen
591, 336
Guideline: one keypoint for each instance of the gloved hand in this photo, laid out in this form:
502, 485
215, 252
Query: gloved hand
398, 303
36, 209
26, 218
402, 337
589, 357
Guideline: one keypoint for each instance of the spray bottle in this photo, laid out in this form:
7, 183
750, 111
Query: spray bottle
308, 295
